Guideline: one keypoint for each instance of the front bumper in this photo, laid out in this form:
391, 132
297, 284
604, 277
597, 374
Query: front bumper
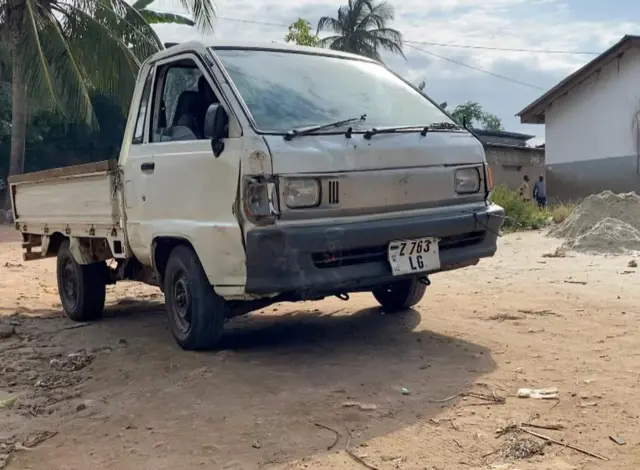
323, 260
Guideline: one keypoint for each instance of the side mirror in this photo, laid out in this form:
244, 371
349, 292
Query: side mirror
216, 123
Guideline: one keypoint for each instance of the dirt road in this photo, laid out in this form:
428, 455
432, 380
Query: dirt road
130, 399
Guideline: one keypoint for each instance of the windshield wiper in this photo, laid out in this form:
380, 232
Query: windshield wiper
308, 130
422, 129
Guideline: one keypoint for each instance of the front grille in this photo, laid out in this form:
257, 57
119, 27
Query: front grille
349, 257
462, 240
334, 192
376, 254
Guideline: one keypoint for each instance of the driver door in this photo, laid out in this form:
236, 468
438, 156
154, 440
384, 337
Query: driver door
185, 192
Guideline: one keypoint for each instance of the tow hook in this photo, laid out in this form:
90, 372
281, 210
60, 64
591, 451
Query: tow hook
344, 297
424, 280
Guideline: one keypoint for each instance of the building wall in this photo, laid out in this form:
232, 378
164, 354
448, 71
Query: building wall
510, 164
592, 133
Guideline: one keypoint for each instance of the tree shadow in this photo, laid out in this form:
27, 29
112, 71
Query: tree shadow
276, 375
292, 329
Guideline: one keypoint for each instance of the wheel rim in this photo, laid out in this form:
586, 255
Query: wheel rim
181, 303
70, 283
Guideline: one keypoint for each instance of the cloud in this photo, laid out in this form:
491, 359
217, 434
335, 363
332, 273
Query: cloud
517, 24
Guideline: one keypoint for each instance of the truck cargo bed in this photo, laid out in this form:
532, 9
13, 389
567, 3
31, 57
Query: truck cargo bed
78, 200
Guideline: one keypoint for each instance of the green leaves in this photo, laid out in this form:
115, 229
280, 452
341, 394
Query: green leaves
361, 28
31, 60
203, 12
65, 48
71, 91
153, 17
300, 33
474, 114
142, 4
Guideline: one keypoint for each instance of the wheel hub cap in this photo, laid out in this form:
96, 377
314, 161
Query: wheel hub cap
70, 283
182, 304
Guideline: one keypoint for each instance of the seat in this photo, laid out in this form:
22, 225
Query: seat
188, 112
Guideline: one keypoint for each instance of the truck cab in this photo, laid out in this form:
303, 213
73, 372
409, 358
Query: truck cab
253, 174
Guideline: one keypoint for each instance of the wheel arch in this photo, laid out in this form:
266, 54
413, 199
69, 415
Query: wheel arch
55, 242
161, 248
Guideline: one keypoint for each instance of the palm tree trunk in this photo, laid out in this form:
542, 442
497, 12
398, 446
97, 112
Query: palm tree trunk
18, 134
15, 23
18, 123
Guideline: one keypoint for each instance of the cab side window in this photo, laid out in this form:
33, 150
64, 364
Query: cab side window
138, 134
182, 97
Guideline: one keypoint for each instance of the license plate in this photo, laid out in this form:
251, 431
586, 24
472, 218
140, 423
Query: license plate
413, 256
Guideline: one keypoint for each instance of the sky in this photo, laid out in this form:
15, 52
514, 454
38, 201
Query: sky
552, 25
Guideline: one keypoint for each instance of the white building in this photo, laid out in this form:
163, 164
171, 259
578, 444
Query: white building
592, 125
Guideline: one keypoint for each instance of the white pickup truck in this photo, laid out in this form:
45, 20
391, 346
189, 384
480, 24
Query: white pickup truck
253, 174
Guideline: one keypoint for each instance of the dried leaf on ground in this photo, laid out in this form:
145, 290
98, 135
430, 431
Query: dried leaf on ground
519, 448
36, 438
72, 362
500, 317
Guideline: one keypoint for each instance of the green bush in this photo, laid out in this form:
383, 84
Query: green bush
520, 215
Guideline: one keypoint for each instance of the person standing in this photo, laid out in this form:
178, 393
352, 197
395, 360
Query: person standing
525, 193
540, 192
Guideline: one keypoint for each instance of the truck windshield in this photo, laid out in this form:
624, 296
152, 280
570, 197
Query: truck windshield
287, 90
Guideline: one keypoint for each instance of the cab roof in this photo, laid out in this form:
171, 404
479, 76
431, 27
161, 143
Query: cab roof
265, 46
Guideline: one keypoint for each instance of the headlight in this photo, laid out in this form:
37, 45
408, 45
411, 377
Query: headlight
260, 199
467, 180
299, 193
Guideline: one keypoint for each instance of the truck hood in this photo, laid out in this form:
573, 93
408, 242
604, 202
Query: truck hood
335, 153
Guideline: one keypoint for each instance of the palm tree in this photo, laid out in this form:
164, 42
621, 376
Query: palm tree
57, 51
203, 13
361, 28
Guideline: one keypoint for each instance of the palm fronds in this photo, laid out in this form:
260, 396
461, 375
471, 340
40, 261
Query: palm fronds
202, 11
361, 28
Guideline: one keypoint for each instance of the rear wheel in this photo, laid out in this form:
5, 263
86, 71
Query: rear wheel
399, 295
196, 312
82, 287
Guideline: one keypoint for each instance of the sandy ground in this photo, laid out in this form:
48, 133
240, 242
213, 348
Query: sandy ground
131, 399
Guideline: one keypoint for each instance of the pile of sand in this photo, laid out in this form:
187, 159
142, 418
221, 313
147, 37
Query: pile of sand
604, 223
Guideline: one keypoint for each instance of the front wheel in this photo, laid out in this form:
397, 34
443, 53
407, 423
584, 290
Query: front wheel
399, 295
82, 287
196, 312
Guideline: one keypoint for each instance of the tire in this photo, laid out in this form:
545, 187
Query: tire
399, 295
196, 313
82, 287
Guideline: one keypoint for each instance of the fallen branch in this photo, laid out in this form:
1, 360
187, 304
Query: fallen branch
444, 400
73, 327
37, 438
489, 454
337, 434
582, 283
451, 421
551, 427
480, 396
354, 456
17, 446
553, 441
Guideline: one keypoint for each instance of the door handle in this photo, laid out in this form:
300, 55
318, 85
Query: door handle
148, 166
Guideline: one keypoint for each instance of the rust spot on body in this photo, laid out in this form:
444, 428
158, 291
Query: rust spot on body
257, 161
